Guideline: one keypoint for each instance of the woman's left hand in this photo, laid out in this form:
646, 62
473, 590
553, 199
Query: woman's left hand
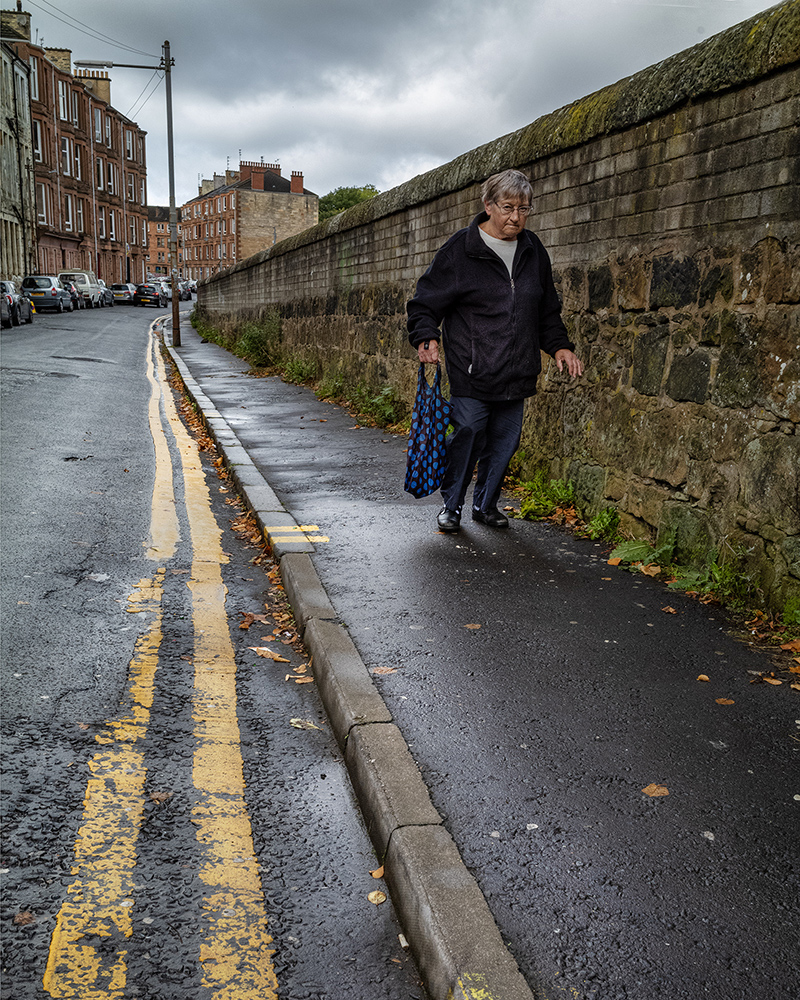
573, 363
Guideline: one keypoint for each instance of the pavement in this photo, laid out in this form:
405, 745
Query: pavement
451, 928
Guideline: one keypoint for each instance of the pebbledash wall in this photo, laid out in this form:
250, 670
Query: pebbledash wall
670, 205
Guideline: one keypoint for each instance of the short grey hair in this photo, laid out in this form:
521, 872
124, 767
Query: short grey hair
506, 184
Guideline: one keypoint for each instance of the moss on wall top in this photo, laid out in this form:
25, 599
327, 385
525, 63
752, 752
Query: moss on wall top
746, 52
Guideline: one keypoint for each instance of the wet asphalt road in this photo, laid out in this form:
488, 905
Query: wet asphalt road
537, 730
78, 482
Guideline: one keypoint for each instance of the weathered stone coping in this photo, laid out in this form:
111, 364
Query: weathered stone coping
746, 52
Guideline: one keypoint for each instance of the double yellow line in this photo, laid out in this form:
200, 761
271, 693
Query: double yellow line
235, 953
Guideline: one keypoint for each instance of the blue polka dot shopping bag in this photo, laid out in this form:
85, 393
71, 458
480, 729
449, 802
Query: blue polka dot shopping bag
429, 421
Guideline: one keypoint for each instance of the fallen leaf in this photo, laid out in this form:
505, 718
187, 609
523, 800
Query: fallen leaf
656, 791
377, 897
605, 577
248, 618
267, 653
795, 687
725, 701
83, 725
26, 917
614, 562
651, 570
472, 626
160, 796
303, 724
378, 873
669, 611
703, 677
793, 646
794, 670
304, 680
384, 670
772, 680
187, 658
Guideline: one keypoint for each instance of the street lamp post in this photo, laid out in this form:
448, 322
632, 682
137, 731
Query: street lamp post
166, 67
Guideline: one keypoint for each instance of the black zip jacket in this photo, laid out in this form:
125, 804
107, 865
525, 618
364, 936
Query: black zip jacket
493, 325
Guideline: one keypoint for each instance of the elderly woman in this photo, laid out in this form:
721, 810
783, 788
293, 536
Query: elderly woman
491, 289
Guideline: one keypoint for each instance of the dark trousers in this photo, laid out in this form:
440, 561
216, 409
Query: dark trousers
484, 433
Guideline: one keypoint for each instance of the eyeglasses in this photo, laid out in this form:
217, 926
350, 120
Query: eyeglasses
510, 209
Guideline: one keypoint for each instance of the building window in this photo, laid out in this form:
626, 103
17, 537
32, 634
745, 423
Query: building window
142, 195
37, 141
66, 156
68, 219
63, 100
108, 131
101, 223
100, 173
129, 143
112, 187
41, 205
225, 204
160, 241
74, 99
131, 188
98, 125
34, 64
78, 163
160, 227
79, 215
112, 224
132, 229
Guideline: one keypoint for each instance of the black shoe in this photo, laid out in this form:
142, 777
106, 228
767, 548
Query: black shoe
491, 518
449, 520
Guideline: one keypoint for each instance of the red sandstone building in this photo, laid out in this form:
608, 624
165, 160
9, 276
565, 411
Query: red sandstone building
90, 170
241, 212
157, 257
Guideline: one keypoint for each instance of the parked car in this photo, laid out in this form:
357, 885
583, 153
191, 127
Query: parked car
47, 293
87, 285
185, 292
107, 296
166, 288
5, 313
149, 294
123, 293
19, 303
75, 295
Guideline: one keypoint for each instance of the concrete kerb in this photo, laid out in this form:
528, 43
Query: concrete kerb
448, 924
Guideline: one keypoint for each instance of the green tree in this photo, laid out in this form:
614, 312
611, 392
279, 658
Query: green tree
344, 197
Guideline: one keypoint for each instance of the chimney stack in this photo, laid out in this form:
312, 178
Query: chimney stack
97, 81
297, 182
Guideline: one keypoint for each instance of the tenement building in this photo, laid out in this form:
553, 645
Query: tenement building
158, 262
17, 205
240, 212
89, 165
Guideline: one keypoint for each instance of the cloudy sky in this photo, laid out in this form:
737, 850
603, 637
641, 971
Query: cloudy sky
354, 92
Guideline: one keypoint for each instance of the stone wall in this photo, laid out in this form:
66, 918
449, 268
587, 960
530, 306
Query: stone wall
669, 204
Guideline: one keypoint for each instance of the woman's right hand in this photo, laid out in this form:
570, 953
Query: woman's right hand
428, 352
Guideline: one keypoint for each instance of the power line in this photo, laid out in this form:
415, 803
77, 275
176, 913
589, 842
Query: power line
133, 112
91, 32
